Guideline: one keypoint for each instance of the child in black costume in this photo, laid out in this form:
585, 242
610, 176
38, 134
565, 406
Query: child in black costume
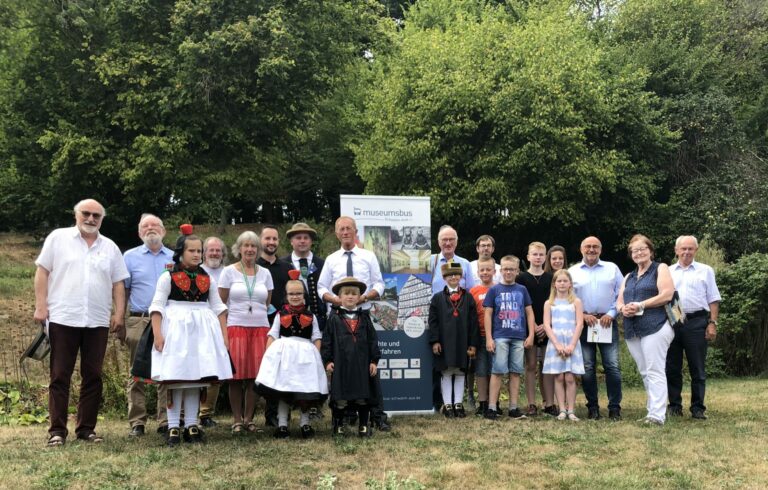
350, 353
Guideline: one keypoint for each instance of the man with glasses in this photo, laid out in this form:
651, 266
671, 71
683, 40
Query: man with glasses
447, 240
597, 283
485, 246
79, 275
145, 264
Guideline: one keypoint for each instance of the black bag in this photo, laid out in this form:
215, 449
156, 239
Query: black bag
675, 313
142, 364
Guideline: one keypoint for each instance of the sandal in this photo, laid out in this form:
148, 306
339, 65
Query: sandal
572, 417
252, 428
56, 441
562, 415
237, 429
91, 437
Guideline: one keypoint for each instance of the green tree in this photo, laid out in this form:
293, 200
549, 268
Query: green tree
511, 116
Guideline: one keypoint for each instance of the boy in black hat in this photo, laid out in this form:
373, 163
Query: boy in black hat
350, 353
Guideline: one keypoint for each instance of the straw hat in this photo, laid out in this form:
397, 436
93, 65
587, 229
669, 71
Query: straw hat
348, 281
301, 228
451, 268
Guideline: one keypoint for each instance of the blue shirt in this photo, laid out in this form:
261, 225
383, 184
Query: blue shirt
508, 302
597, 286
438, 283
144, 268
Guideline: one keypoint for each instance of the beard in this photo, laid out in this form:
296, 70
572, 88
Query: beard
213, 263
89, 229
152, 240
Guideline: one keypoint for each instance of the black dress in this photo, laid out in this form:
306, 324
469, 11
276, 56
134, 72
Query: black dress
351, 353
455, 333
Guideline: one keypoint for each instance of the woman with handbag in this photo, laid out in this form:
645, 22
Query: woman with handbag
642, 299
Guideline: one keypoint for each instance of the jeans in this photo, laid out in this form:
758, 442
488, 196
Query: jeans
610, 356
689, 339
509, 356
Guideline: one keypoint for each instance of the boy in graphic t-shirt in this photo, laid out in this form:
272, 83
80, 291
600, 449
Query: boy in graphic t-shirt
509, 330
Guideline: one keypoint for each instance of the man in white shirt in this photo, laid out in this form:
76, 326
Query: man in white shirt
79, 275
353, 261
350, 260
700, 299
485, 246
214, 257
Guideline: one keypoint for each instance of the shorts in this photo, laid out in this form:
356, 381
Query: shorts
483, 360
508, 357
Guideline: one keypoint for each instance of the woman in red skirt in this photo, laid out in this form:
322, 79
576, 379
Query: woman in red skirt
246, 289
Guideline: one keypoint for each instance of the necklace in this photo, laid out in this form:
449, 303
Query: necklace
249, 286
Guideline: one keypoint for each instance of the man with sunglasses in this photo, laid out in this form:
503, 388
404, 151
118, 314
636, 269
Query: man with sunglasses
79, 275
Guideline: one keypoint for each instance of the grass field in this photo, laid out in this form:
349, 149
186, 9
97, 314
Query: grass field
726, 451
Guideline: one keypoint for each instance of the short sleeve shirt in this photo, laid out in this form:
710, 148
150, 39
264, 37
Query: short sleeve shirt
508, 302
245, 311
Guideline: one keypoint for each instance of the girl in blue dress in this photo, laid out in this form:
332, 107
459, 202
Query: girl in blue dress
563, 320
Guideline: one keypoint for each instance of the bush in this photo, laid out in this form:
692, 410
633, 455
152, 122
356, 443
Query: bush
743, 329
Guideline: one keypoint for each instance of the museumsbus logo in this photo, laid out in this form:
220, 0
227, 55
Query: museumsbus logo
381, 213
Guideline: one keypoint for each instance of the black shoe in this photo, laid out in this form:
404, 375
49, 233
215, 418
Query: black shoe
136, 431
382, 424
364, 431
481, 408
675, 411
698, 414
174, 437
515, 413
458, 410
307, 432
491, 414
208, 422
282, 432
614, 414
338, 429
532, 411
594, 413
448, 411
193, 434
162, 429
551, 410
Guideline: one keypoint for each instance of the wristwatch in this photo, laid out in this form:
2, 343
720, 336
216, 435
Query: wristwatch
713, 322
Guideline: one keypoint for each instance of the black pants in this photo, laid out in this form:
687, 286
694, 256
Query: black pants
689, 339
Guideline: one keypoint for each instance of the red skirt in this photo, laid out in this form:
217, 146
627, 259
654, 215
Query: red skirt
247, 346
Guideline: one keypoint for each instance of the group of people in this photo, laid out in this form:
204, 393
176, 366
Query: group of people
491, 320
279, 327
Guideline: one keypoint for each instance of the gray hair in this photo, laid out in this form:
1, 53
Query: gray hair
221, 242
246, 237
147, 216
682, 237
77, 206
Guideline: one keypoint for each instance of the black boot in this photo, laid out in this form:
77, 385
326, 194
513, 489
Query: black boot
481, 408
338, 422
363, 415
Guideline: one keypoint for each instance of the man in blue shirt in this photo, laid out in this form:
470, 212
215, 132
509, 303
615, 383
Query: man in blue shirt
145, 263
447, 240
596, 283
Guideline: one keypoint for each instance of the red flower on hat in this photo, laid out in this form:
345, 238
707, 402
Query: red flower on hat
186, 229
294, 274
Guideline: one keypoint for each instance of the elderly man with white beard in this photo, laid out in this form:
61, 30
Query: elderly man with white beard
145, 263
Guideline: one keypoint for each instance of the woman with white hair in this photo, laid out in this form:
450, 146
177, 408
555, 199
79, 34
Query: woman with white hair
246, 288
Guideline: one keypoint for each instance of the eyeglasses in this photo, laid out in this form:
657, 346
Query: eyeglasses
88, 214
638, 250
